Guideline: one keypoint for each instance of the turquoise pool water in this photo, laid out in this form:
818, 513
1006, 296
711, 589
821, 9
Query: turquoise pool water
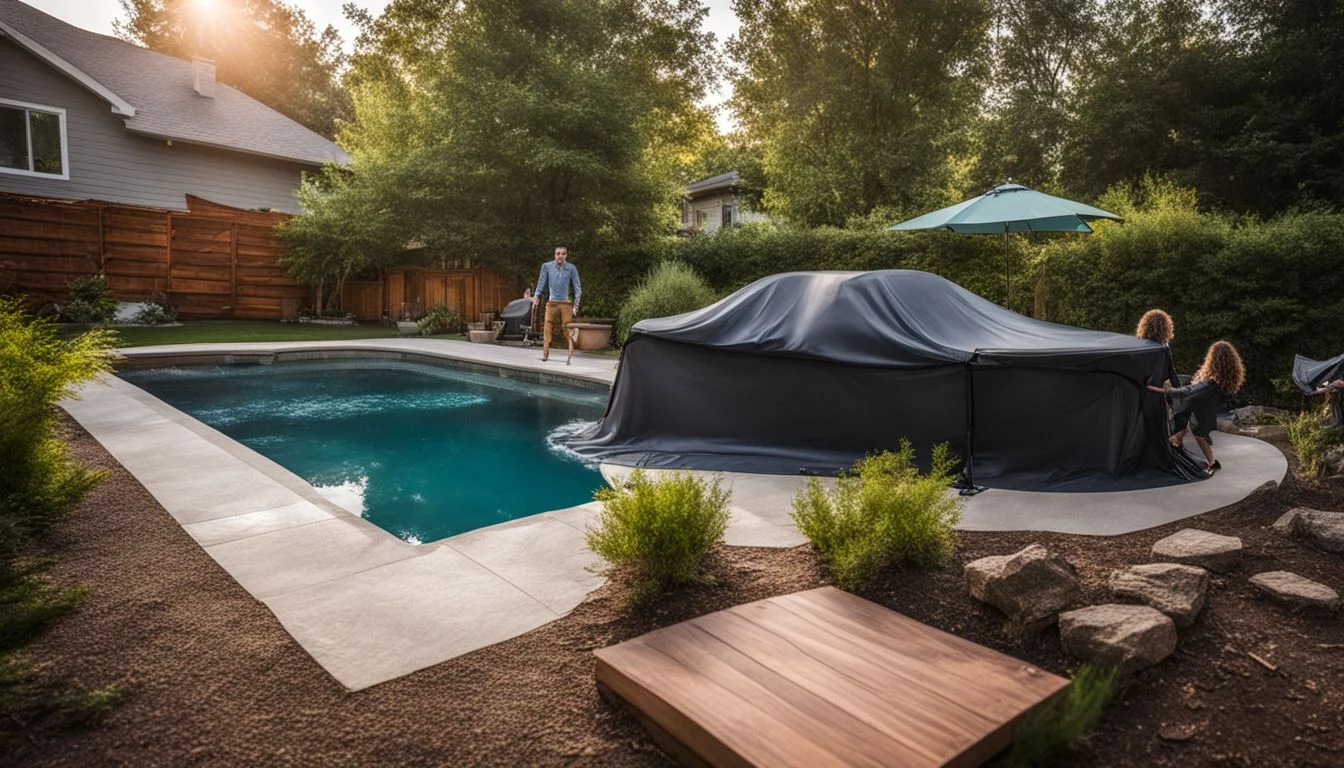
422, 451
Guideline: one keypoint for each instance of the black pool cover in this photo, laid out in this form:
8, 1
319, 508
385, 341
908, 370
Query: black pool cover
810, 371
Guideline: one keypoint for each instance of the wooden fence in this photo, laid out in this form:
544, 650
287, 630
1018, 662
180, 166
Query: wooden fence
211, 261
406, 292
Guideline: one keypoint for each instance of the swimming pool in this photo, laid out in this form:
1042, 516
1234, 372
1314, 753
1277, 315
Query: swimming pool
423, 451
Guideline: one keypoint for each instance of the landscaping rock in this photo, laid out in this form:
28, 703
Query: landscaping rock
1333, 460
1178, 591
1031, 586
1297, 591
1324, 530
1201, 548
1130, 637
1253, 415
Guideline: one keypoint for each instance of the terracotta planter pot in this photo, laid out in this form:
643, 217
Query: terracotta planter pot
592, 336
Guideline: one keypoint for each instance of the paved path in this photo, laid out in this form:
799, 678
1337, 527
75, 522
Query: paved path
370, 607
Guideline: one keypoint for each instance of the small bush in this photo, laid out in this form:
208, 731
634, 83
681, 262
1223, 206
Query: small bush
670, 288
156, 313
440, 318
89, 302
28, 603
1311, 436
657, 531
882, 514
1061, 722
38, 480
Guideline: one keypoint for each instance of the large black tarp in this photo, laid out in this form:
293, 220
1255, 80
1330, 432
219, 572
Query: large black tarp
810, 371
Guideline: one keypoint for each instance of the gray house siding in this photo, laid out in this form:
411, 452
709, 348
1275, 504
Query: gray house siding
109, 163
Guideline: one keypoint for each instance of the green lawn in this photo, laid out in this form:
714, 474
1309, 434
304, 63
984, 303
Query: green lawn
198, 331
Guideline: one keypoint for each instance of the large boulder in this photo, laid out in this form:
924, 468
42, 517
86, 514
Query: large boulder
1253, 415
1177, 590
1195, 547
1031, 586
1320, 529
1296, 591
1130, 637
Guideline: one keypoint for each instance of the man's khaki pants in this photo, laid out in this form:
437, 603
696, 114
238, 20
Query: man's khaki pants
561, 312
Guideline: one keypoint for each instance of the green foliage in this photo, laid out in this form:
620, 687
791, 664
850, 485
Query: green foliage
671, 288
1271, 288
38, 480
857, 105
1060, 722
1311, 436
89, 302
884, 514
440, 318
28, 603
155, 313
657, 531
495, 129
732, 258
81, 706
268, 49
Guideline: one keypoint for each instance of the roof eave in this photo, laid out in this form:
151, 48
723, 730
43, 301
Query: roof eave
314, 162
119, 105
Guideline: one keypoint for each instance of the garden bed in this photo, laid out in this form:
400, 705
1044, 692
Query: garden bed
210, 676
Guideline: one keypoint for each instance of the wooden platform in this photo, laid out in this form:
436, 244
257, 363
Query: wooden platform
821, 678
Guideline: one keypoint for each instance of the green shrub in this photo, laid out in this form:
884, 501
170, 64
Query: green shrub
28, 603
1060, 722
155, 313
669, 289
1311, 436
38, 480
657, 531
89, 302
440, 318
882, 514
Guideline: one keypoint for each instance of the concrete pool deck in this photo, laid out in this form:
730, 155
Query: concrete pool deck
369, 607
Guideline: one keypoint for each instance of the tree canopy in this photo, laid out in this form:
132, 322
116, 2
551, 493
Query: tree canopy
267, 49
494, 129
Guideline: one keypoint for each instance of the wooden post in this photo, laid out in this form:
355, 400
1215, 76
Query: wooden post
102, 245
170, 255
233, 269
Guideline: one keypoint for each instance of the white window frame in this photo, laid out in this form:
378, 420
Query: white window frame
64, 175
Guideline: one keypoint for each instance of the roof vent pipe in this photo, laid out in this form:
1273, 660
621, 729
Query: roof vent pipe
203, 76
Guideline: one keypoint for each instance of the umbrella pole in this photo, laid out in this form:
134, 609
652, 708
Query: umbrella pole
1007, 272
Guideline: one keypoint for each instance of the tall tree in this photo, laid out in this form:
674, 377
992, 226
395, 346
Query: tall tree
493, 129
857, 104
1037, 45
267, 49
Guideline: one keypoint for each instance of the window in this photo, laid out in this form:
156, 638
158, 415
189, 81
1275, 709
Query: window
32, 140
727, 215
701, 217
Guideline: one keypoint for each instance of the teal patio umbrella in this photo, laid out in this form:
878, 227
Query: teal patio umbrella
1010, 208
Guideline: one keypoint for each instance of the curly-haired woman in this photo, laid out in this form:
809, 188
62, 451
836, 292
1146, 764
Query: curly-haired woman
1156, 325
1221, 375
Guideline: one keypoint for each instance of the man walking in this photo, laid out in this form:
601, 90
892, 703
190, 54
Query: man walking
554, 283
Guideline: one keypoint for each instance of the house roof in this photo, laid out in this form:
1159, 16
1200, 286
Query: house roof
722, 181
153, 92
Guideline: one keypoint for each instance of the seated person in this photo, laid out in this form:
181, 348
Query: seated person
1335, 391
1221, 375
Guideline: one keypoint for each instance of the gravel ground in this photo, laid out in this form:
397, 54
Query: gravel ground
211, 678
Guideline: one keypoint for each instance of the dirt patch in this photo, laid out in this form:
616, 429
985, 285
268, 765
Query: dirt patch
212, 678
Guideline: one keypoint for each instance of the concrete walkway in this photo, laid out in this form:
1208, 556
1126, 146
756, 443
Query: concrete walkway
1247, 463
370, 607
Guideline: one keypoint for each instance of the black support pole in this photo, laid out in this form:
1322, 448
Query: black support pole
967, 484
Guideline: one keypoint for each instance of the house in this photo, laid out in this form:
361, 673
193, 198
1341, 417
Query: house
85, 116
715, 202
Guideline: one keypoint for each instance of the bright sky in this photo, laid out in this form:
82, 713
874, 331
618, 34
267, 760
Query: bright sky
97, 15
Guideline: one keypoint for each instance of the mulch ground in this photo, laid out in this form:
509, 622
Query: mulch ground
210, 677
